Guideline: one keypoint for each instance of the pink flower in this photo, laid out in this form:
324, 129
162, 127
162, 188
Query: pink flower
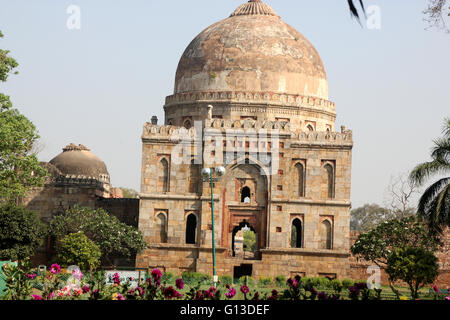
179, 284
447, 298
230, 294
77, 274
435, 288
120, 297
31, 276
55, 268
116, 278
156, 274
293, 283
36, 297
245, 289
86, 289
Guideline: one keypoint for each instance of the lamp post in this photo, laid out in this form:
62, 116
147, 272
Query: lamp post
212, 175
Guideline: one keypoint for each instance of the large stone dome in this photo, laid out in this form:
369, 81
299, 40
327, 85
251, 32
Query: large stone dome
79, 161
252, 51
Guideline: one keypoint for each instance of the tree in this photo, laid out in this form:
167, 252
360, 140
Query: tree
249, 241
77, 249
434, 205
21, 232
113, 237
400, 193
129, 193
377, 245
415, 266
367, 217
19, 166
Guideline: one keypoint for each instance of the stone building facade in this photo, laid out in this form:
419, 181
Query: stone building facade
251, 94
77, 177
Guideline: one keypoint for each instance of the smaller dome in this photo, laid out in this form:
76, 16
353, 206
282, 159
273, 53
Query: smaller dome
79, 161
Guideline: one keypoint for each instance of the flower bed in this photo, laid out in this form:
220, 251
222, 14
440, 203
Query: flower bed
56, 284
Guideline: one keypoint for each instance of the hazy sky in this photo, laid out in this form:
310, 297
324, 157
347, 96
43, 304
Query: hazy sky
98, 85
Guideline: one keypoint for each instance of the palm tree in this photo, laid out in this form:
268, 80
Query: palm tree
434, 205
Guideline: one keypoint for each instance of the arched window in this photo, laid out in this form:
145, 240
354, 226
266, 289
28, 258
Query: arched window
245, 195
330, 180
161, 228
163, 171
191, 229
296, 234
300, 180
326, 235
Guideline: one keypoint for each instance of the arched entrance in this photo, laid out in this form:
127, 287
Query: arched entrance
245, 244
245, 206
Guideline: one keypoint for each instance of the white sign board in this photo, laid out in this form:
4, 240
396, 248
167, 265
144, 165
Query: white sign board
125, 276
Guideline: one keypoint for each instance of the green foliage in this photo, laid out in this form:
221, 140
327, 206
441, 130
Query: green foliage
129, 193
195, 278
112, 236
7, 64
347, 283
168, 277
336, 285
18, 287
280, 280
19, 166
249, 241
377, 244
77, 249
434, 205
415, 266
264, 281
367, 217
226, 280
249, 281
21, 232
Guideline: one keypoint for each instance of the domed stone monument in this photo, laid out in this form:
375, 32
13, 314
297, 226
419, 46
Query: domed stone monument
251, 94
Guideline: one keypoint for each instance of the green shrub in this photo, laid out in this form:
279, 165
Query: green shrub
77, 249
226, 279
250, 281
193, 278
168, 277
336, 284
265, 281
280, 281
347, 283
323, 283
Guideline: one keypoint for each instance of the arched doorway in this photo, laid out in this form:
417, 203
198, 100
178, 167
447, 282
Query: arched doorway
245, 244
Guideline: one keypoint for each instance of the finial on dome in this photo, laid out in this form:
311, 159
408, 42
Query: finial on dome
254, 7
74, 147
